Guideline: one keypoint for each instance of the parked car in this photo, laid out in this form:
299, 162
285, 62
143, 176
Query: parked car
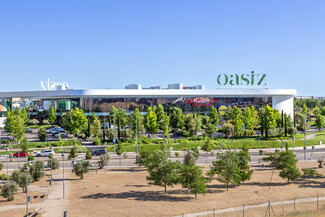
44, 153
63, 135
28, 130
6, 138
54, 129
49, 128
20, 154
98, 152
60, 130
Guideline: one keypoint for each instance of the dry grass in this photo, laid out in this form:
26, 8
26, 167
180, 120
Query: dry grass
127, 193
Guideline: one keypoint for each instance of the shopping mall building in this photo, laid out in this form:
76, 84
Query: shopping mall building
189, 99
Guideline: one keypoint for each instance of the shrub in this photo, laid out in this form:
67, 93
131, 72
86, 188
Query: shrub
45, 122
9, 189
34, 122
81, 167
55, 163
42, 134
10, 156
1, 165
73, 153
176, 154
5, 141
125, 155
97, 141
101, 162
228, 129
276, 132
320, 163
31, 158
88, 155
37, 170
3, 177
261, 152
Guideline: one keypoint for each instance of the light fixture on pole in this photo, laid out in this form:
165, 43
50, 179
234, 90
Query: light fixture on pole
305, 148
7, 163
52, 156
18, 153
232, 144
105, 155
63, 174
259, 143
27, 198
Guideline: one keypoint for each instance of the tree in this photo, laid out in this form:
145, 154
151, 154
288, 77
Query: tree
164, 124
304, 110
316, 111
37, 170
237, 120
20, 178
320, 122
119, 151
193, 179
286, 162
287, 124
9, 120
207, 147
121, 120
81, 167
269, 120
17, 127
176, 118
228, 129
52, 116
112, 116
88, 155
189, 158
229, 113
77, 120
73, 153
150, 122
96, 129
160, 114
24, 145
227, 168
136, 114
214, 116
209, 130
245, 171
250, 118
24, 116
311, 173
9, 189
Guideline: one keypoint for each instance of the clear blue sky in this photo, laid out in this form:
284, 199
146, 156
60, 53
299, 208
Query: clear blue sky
109, 44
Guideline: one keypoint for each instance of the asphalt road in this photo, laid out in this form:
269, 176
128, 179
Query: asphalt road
116, 161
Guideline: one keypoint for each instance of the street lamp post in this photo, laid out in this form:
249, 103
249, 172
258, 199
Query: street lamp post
233, 144
7, 163
63, 174
26, 169
105, 156
259, 143
18, 153
51, 165
137, 145
305, 148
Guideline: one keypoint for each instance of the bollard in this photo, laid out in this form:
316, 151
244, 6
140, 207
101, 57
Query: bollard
214, 212
65, 214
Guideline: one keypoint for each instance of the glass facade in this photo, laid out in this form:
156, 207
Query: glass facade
104, 104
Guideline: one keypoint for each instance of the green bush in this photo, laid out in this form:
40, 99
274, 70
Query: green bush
97, 141
42, 134
33, 122
88, 155
5, 141
81, 167
55, 163
20, 178
9, 190
101, 162
261, 152
1, 165
3, 177
37, 170
176, 154
31, 158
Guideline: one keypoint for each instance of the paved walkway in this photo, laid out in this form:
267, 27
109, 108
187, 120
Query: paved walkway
54, 205
240, 208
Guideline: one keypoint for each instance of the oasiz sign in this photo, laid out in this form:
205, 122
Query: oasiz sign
251, 79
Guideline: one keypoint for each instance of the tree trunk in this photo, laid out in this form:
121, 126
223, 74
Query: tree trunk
165, 189
104, 129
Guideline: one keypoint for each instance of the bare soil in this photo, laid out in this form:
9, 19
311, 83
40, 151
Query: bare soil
126, 193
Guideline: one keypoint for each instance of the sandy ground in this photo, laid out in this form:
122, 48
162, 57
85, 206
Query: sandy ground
126, 193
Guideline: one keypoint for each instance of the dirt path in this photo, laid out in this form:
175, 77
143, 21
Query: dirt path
240, 208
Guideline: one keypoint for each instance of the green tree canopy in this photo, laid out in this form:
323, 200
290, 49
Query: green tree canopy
214, 116
52, 116
150, 121
176, 118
